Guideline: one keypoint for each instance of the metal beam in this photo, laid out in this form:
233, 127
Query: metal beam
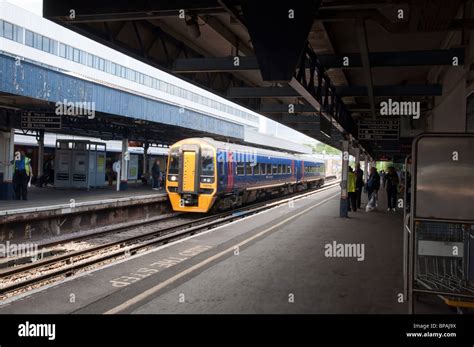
262, 92
287, 92
282, 108
328, 61
228, 35
364, 54
293, 118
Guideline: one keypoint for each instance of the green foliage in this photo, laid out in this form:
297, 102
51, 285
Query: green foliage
321, 148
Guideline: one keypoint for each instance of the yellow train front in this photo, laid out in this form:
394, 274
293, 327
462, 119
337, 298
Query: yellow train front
191, 176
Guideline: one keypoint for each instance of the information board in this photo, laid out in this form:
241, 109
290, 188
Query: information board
385, 129
40, 120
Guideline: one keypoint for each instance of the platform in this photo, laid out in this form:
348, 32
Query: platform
51, 212
271, 262
50, 197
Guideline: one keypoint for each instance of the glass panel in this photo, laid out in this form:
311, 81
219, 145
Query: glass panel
269, 169
173, 168
38, 41
240, 169
69, 52
207, 162
54, 47
18, 34
75, 55
45, 46
8, 33
248, 169
62, 50
90, 60
29, 38
1, 28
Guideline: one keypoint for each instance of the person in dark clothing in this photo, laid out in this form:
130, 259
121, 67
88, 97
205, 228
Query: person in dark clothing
156, 174
373, 185
359, 184
21, 174
392, 183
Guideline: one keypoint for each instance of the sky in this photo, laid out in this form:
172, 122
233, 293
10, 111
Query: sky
36, 6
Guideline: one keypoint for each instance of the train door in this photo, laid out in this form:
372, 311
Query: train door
189, 169
221, 170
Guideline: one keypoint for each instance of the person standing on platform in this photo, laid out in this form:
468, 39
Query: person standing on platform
21, 174
156, 175
373, 186
359, 184
392, 183
351, 190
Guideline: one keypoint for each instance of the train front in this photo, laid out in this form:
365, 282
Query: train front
191, 178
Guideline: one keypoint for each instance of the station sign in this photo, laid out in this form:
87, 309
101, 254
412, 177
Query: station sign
386, 129
40, 120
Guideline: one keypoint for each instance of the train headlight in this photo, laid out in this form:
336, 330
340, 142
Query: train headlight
173, 178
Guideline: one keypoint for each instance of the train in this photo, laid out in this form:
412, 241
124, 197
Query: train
204, 174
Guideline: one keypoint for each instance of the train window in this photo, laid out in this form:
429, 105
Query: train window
239, 169
173, 168
207, 162
248, 169
263, 170
29, 38
274, 169
280, 168
256, 169
221, 167
269, 169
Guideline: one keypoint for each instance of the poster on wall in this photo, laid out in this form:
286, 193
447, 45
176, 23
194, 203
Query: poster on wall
133, 167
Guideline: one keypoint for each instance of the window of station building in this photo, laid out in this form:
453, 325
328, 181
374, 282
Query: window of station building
69, 52
18, 34
248, 169
46, 44
112, 67
83, 57
1, 28
62, 50
239, 169
8, 30
95, 62
75, 55
29, 38
101, 64
54, 47
38, 41
256, 169
90, 60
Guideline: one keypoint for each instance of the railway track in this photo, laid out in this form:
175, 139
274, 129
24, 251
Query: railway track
34, 275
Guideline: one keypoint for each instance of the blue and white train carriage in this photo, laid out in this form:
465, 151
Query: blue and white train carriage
204, 174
